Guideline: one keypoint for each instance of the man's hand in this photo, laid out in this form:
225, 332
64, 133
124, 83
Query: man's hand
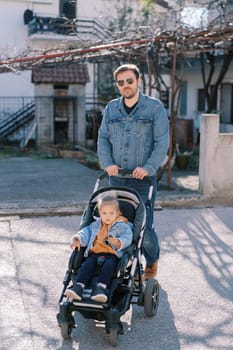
139, 173
112, 170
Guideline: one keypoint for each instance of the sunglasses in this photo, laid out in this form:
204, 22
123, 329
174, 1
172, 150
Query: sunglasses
127, 81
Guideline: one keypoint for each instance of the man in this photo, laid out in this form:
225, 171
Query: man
134, 136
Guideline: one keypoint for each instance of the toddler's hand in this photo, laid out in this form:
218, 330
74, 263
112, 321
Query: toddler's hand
115, 241
75, 243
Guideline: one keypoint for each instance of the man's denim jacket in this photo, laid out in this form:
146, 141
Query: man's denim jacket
138, 139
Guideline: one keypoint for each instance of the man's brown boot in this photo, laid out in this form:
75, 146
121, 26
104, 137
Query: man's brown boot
151, 271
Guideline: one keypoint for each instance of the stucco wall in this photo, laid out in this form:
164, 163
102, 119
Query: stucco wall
216, 158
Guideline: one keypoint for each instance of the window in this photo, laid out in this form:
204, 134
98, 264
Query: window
183, 99
202, 103
201, 100
68, 8
226, 103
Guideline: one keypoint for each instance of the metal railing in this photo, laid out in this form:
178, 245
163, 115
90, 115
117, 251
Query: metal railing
15, 112
66, 26
18, 119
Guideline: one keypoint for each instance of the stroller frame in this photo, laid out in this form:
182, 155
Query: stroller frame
127, 286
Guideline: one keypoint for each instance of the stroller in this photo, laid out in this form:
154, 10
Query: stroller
127, 286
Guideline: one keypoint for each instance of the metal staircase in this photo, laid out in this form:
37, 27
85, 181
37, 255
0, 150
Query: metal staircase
17, 120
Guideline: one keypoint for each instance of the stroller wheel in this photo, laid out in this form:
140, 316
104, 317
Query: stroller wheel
66, 330
151, 297
113, 336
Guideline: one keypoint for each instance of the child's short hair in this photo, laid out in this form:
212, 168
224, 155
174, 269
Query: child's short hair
108, 200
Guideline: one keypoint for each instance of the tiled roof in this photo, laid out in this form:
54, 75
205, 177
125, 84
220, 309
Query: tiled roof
68, 73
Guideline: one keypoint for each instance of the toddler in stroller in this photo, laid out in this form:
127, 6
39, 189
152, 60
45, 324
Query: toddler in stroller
94, 295
106, 238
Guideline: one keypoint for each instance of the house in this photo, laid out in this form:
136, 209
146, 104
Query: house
193, 101
28, 26
39, 27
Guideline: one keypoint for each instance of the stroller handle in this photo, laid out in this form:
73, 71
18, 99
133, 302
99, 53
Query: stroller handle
126, 173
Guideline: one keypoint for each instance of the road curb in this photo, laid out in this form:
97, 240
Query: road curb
190, 202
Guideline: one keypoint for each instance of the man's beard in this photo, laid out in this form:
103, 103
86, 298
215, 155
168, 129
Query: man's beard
130, 95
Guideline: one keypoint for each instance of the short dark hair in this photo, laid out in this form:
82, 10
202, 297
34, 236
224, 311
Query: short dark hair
125, 67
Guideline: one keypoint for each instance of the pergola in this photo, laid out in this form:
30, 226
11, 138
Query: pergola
179, 42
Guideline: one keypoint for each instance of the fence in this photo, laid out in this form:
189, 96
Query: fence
17, 116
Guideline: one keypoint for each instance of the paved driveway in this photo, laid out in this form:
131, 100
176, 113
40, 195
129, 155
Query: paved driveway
30, 183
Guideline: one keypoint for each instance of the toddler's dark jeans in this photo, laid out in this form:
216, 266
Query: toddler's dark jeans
88, 268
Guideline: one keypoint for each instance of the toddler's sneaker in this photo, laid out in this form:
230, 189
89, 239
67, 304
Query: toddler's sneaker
99, 294
74, 292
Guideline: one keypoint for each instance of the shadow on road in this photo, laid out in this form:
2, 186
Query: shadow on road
199, 262
158, 332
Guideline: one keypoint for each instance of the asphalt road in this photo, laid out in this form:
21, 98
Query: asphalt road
195, 274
